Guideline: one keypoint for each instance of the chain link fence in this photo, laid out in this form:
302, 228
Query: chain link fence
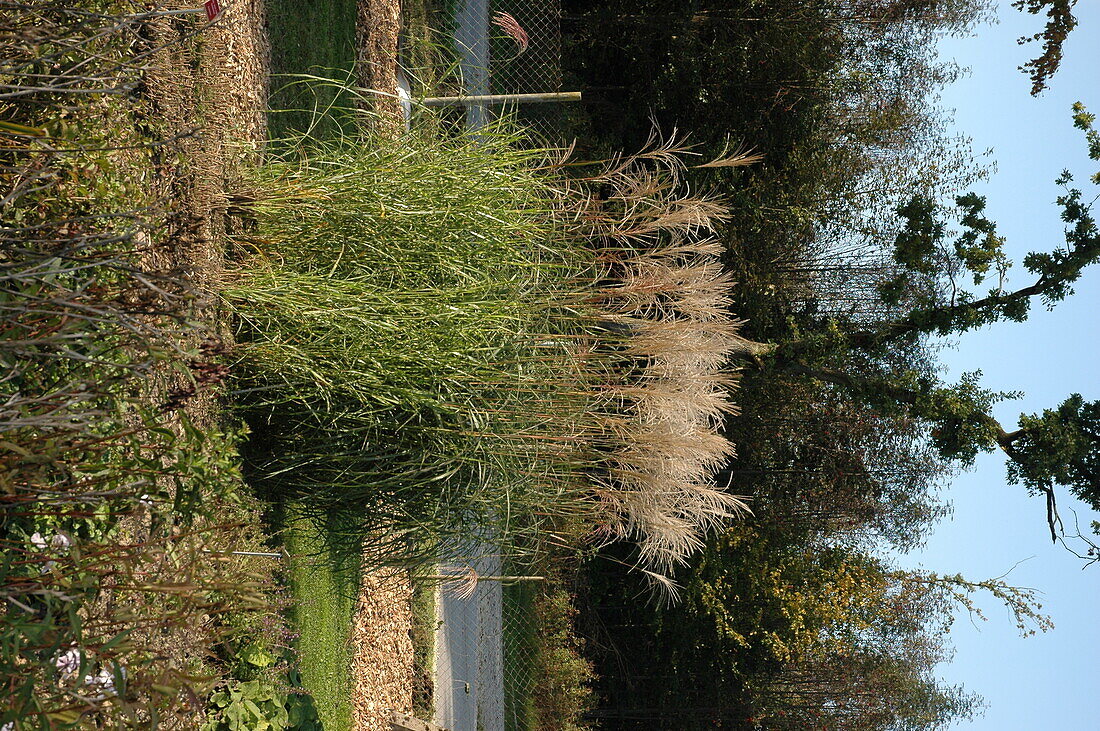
481, 47
537, 69
521, 632
506, 658
485, 649
504, 651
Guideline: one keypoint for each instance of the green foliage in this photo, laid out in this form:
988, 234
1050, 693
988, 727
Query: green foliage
810, 624
1083, 120
961, 426
251, 705
103, 536
979, 247
771, 605
1060, 447
256, 705
547, 678
1057, 448
318, 39
1059, 25
423, 641
796, 636
399, 301
916, 245
324, 586
849, 262
444, 337
563, 690
262, 692
925, 283
93, 483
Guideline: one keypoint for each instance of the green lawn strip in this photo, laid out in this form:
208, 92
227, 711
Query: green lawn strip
308, 38
322, 616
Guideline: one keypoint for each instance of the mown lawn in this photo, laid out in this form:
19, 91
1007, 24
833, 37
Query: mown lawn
315, 39
324, 606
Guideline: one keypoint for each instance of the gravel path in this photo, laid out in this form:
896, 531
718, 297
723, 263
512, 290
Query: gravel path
469, 651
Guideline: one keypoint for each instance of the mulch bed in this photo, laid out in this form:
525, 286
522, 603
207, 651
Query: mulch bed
214, 93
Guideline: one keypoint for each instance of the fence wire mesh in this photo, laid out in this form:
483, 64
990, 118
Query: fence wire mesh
534, 70
492, 47
490, 653
520, 628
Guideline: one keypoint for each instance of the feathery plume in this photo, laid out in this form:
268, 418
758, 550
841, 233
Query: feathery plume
513, 29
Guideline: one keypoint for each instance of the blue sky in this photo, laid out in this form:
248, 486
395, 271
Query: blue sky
1049, 681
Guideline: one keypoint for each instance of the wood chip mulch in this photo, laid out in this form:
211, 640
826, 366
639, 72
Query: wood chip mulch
378, 24
232, 78
382, 664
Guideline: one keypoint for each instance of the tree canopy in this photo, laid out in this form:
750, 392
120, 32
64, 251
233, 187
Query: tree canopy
1060, 23
858, 249
924, 289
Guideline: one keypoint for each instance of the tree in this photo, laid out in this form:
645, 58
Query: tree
863, 692
850, 641
924, 291
1060, 22
830, 469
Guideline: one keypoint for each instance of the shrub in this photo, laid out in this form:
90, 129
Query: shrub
446, 338
562, 693
104, 541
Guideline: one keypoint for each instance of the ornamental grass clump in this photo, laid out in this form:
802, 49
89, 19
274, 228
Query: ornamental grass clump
453, 338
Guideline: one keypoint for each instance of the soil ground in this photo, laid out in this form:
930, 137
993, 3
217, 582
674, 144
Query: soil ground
213, 92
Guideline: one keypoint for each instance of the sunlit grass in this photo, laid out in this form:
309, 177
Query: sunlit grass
323, 610
308, 38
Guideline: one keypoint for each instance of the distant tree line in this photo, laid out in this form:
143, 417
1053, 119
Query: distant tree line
855, 244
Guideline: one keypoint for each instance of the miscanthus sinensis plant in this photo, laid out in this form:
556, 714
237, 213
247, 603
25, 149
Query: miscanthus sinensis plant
445, 338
